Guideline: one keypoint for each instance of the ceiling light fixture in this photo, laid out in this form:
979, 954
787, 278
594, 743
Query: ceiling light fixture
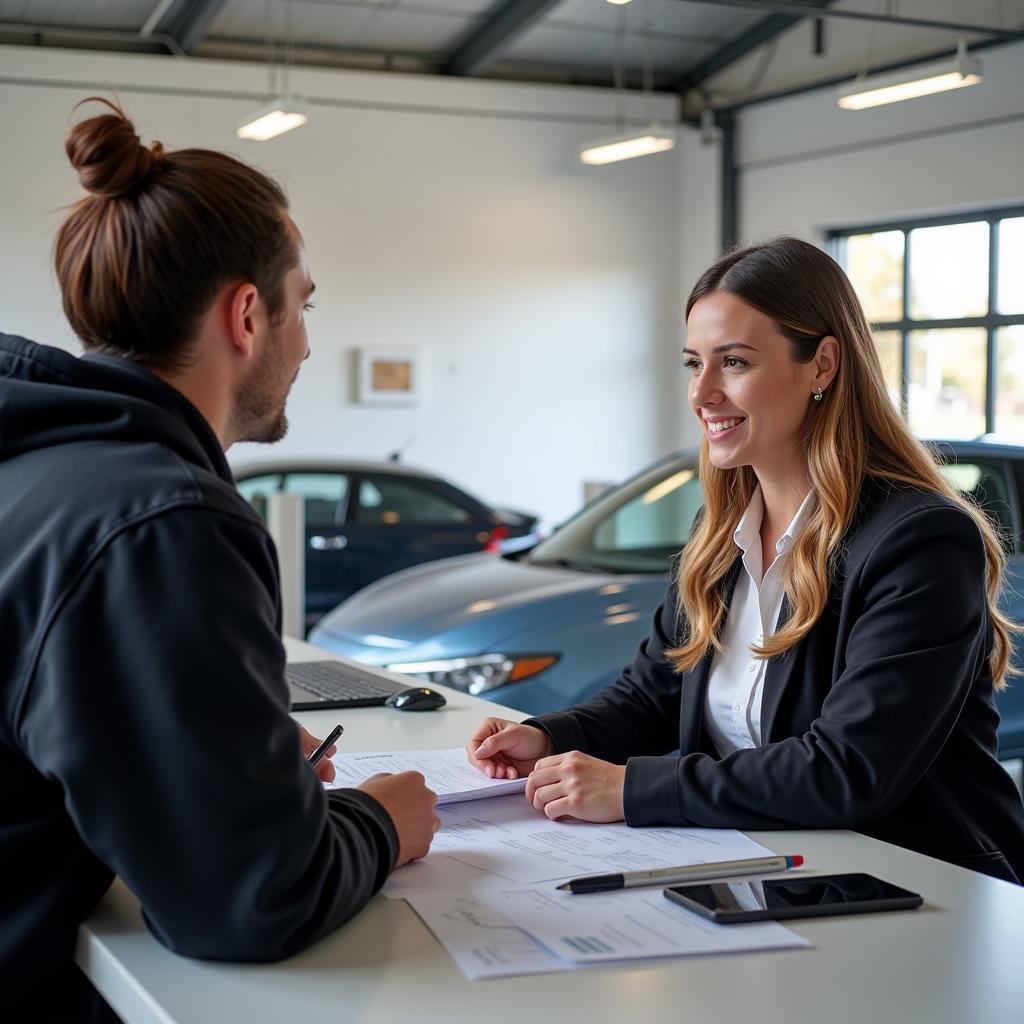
653, 138
923, 80
625, 147
285, 111
272, 119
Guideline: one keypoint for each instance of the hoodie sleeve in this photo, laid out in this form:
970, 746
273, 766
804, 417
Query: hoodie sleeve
158, 703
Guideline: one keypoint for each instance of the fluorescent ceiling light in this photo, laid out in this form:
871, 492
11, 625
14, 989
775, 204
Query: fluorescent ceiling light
923, 80
620, 2
275, 118
625, 147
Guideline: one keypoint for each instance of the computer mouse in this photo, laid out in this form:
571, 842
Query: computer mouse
416, 698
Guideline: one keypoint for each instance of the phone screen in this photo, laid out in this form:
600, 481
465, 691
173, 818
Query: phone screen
762, 899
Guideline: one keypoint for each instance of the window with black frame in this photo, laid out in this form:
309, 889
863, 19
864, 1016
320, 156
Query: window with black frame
945, 297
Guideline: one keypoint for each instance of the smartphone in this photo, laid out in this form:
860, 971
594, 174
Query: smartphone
772, 899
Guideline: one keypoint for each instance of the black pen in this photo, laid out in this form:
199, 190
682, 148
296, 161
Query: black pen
315, 757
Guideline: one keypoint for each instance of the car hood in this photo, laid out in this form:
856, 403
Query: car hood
470, 604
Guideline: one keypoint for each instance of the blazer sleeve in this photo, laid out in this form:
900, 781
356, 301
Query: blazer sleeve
918, 636
158, 703
638, 713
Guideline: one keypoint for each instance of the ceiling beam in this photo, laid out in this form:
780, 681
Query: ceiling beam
805, 8
487, 43
184, 21
757, 35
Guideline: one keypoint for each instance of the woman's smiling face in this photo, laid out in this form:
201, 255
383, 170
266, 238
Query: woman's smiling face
746, 387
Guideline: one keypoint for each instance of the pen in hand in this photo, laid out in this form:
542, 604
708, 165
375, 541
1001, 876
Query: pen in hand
317, 755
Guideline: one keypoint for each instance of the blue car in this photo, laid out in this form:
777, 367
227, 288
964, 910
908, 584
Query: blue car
541, 629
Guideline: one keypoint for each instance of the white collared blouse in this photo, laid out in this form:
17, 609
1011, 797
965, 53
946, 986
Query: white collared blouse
736, 683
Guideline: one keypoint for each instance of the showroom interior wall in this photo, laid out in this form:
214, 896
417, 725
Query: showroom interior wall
445, 215
806, 166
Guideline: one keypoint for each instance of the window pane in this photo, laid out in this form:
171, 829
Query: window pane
949, 271
1010, 381
653, 523
637, 527
947, 382
1011, 266
874, 264
257, 490
985, 484
325, 496
392, 502
889, 345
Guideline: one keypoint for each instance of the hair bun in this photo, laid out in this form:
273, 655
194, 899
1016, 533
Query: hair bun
107, 153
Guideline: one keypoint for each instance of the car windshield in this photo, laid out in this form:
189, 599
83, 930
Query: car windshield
637, 527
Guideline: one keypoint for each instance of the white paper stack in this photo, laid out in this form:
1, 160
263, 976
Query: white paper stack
487, 888
447, 773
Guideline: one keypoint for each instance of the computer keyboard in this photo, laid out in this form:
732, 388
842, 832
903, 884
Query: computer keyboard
339, 684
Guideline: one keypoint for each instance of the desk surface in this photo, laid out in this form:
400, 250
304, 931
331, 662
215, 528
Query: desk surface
956, 959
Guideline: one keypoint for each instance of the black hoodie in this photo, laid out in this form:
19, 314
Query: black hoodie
143, 710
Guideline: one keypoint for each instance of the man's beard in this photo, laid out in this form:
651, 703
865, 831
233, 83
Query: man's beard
259, 407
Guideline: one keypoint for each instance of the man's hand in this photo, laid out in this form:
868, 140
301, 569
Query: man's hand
411, 807
578, 785
507, 750
325, 769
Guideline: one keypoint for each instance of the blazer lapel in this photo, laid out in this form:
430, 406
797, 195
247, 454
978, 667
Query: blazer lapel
692, 736
776, 678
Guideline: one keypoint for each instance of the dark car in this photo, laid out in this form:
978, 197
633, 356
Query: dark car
365, 520
546, 628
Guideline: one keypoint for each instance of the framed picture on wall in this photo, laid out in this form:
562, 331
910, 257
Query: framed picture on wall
388, 376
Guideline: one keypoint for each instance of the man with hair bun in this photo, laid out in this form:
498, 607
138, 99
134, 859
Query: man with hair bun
139, 594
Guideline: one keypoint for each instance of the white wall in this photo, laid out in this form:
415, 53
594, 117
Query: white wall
699, 244
440, 213
807, 166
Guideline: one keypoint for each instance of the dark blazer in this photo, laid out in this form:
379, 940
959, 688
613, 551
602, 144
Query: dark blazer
881, 720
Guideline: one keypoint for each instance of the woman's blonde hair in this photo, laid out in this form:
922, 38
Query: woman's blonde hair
855, 432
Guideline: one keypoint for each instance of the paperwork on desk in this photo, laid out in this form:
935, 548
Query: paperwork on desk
447, 773
537, 930
487, 888
504, 842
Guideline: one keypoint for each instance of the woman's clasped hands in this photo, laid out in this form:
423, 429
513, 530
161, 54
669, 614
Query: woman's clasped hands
559, 785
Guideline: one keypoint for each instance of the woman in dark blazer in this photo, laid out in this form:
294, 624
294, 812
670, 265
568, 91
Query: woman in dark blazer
828, 649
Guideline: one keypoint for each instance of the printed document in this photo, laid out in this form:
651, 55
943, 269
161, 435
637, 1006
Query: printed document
504, 842
627, 924
447, 772
534, 930
483, 942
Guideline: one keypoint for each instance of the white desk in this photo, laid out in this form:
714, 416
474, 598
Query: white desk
957, 959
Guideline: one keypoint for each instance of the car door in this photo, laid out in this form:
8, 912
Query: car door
325, 497
399, 521
997, 487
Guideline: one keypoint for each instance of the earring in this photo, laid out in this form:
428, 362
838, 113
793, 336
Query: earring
818, 395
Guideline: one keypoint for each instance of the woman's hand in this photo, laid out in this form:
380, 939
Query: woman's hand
325, 769
507, 750
578, 785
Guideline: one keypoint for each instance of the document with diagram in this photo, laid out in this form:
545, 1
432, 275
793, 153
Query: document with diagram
536, 930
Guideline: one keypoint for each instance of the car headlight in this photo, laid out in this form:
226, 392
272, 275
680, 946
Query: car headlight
478, 674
